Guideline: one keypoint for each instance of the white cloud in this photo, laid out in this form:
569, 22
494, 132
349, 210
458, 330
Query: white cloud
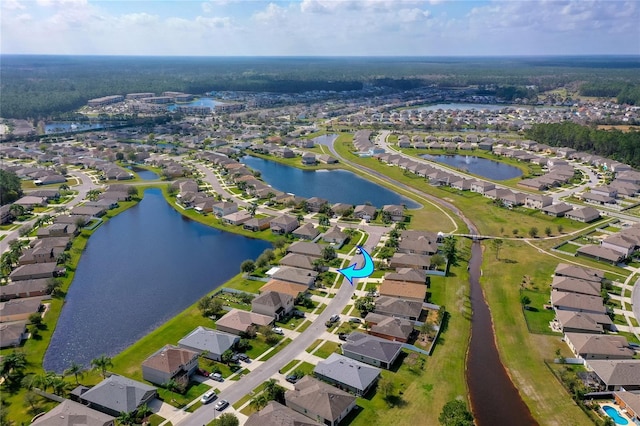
12, 5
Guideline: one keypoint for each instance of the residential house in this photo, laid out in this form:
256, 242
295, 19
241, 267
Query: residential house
597, 198
537, 202
417, 276
585, 214
335, 236
364, 212
320, 401
399, 308
617, 375
421, 245
117, 394
70, 413
36, 270
88, 211
224, 208
415, 261
211, 343
390, 328
12, 334
624, 243
298, 261
601, 253
629, 403
598, 346
327, 159
579, 272
347, 374
306, 232
574, 285
170, 363
395, 212
557, 210
25, 288
256, 224
236, 321
577, 302
276, 414
482, 187
308, 159
283, 224
316, 204
273, 304
29, 202
403, 290
292, 289
579, 322
339, 209
306, 248
237, 218
371, 350
295, 275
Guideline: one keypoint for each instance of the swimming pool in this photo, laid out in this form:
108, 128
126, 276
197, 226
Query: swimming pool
615, 415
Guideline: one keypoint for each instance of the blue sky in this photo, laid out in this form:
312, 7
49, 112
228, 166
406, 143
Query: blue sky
320, 27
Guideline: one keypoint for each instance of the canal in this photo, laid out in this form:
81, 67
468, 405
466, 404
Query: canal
138, 270
494, 398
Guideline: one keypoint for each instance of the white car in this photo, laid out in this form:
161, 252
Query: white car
278, 330
208, 397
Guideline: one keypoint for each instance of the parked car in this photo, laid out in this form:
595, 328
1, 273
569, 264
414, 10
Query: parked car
235, 358
202, 372
244, 357
291, 378
334, 318
222, 404
355, 320
217, 377
208, 397
278, 330
297, 313
342, 336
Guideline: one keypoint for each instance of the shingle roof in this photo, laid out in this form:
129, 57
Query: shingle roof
69, 413
617, 372
319, 398
372, 347
119, 393
396, 306
206, 339
169, 359
240, 320
348, 371
276, 414
272, 299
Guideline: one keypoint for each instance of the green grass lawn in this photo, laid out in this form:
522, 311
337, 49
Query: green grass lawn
320, 309
569, 248
314, 345
304, 326
276, 349
524, 353
259, 346
327, 349
179, 400
240, 283
536, 315
289, 366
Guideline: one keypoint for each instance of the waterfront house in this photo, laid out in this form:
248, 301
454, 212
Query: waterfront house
25, 288
598, 346
117, 394
273, 304
364, 212
403, 290
417, 276
224, 208
236, 321
292, 289
306, 248
574, 285
12, 334
320, 401
629, 402
482, 187
616, 375
579, 272
415, 261
70, 413
315, 204
577, 322
577, 302
295, 275
211, 343
257, 224
170, 363
237, 218
306, 232
283, 224
347, 374
390, 328
36, 270
394, 211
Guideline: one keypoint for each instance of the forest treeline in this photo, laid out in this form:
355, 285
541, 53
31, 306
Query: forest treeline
44, 86
624, 93
614, 144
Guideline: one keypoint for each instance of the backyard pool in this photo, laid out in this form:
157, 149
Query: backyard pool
615, 415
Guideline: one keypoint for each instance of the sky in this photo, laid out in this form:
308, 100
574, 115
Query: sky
320, 27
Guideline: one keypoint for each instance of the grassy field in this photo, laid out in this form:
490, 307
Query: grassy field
523, 353
423, 391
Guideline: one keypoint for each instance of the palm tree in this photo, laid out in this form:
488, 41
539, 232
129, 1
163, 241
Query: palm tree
92, 194
63, 187
76, 370
63, 257
125, 418
102, 363
16, 210
53, 286
259, 401
58, 385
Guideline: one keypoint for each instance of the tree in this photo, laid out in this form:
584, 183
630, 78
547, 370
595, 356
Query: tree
12, 366
226, 356
16, 210
450, 251
10, 187
251, 208
273, 391
76, 370
92, 194
279, 243
525, 300
53, 286
533, 232
386, 388
35, 319
102, 364
259, 401
132, 191
547, 231
248, 266
497, 245
560, 229
227, 419
438, 260
328, 253
515, 231
63, 257
455, 413
125, 418
365, 305
119, 156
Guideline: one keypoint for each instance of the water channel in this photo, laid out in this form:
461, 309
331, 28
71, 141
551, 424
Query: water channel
494, 398
138, 270
337, 186
477, 165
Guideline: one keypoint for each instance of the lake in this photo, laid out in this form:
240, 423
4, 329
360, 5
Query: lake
66, 127
337, 186
138, 270
145, 174
206, 102
478, 166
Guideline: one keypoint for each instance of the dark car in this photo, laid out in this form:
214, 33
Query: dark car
202, 372
243, 357
222, 404
291, 378
342, 336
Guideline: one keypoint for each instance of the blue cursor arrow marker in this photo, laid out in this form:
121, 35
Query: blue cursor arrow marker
367, 269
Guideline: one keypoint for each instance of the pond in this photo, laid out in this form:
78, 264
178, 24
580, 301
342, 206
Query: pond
138, 270
337, 186
145, 174
478, 166
66, 127
206, 102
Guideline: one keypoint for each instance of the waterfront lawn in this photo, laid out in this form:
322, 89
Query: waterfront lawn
524, 353
536, 315
238, 282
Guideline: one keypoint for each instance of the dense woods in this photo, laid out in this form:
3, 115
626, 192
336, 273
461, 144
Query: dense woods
10, 187
625, 93
614, 144
42, 86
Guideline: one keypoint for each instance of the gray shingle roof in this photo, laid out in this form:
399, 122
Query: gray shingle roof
319, 398
206, 339
348, 371
372, 347
119, 394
